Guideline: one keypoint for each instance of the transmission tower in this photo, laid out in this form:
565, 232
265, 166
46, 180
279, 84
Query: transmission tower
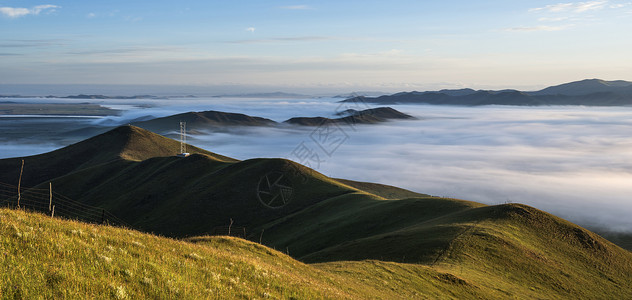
183, 140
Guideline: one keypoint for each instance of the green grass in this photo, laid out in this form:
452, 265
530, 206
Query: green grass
49, 258
43, 257
363, 240
126, 142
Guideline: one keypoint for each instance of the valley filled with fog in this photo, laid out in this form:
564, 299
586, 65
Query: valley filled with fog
575, 162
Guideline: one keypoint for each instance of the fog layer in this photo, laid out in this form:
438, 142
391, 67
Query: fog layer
575, 162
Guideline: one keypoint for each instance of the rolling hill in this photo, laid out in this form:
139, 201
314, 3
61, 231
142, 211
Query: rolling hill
47, 257
52, 258
355, 235
221, 120
202, 120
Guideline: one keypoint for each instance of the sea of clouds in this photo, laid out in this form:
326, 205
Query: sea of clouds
575, 162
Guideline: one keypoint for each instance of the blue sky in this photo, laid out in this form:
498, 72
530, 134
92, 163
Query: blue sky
375, 45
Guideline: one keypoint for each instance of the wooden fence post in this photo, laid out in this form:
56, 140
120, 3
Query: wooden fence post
52, 214
50, 201
20, 183
229, 226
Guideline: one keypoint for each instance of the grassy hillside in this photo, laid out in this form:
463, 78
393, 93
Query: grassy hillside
126, 142
183, 197
51, 258
45, 257
363, 239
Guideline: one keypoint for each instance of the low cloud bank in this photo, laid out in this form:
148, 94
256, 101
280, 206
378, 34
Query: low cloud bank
574, 162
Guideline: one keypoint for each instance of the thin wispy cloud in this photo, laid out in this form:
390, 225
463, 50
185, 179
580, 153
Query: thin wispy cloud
557, 19
16, 12
251, 29
577, 7
139, 50
284, 39
537, 28
32, 43
562, 14
297, 7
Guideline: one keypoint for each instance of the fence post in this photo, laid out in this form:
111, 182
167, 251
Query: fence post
261, 236
20, 183
229, 226
50, 201
52, 214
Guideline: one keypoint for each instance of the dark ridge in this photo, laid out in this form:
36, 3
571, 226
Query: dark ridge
203, 120
590, 92
368, 116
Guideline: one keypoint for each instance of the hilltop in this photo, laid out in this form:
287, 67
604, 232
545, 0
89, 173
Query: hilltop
126, 143
433, 246
203, 120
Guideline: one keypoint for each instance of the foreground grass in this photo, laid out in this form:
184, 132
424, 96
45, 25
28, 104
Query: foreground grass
42, 257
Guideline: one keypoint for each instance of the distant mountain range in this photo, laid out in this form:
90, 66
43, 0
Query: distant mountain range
589, 92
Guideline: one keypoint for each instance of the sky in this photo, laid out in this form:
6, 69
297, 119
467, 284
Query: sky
337, 45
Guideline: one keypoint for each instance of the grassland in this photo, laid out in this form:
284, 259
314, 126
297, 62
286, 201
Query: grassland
341, 239
43, 257
50, 258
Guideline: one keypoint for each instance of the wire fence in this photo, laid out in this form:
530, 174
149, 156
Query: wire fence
56, 205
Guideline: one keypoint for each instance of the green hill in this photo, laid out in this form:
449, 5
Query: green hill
126, 143
45, 257
364, 233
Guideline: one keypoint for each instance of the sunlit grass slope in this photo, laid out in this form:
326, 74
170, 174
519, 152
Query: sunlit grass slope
43, 257
365, 240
